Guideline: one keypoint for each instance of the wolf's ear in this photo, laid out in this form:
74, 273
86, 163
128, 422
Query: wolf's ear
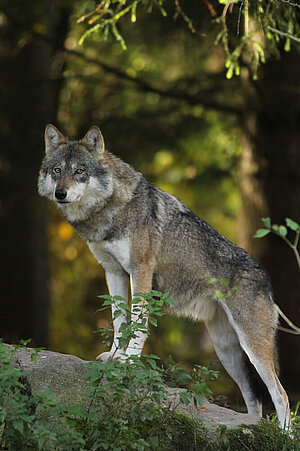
53, 138
94, 140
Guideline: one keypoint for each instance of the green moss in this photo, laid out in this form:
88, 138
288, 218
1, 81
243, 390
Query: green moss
264, 436
178, 432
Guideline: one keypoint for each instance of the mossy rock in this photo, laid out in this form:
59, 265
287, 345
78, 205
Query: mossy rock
262, 437
179, 432
188, 428
63, 375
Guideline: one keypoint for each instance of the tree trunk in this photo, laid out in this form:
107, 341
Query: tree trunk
270, 186
28, 102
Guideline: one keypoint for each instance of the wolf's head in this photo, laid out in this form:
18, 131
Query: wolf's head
75, 171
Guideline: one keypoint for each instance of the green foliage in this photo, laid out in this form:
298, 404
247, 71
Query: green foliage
224, 292
127, 406
255, 30
27, 421
282, 232
265, 23
105, 17
135, 390
150, 310
264, 436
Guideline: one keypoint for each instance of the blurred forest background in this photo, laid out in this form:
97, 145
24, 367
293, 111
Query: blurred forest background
228, 148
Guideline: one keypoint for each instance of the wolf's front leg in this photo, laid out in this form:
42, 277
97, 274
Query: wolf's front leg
141, 282
118, 286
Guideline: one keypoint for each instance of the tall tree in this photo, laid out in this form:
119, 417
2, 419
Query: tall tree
29, 91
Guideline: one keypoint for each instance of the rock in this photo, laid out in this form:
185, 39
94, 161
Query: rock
212, 415
64, 376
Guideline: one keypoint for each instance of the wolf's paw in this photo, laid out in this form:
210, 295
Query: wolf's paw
107, 356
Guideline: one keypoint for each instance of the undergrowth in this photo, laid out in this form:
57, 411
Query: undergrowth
127, 405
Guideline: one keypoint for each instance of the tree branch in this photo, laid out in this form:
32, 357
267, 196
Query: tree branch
291, 3
169, 93
286, 35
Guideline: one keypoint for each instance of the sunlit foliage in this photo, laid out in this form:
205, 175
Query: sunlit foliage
252, 32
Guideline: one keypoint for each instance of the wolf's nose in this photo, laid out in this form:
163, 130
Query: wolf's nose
60, 194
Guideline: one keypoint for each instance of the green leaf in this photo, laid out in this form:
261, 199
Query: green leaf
41, 441
260, 233
152, 363
170, 360
154, 442
153, 321
292, 224
282, 231
220, 280
287, 45
198, 399
119, 298
223, 428
18, 425
124, 306
183, 378
162, 10
160, 302
229, 73
237, 70
219, 294
117, 313
138, 295
185, 397
266, 222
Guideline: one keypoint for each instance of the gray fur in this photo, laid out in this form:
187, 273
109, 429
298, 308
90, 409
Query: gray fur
135, 229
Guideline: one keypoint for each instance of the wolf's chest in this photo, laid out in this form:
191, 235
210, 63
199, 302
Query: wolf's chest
112, 254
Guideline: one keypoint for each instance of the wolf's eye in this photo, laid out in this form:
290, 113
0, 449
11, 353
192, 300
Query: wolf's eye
79, 171
57, 170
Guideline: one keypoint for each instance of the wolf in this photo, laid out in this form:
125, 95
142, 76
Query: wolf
141, 234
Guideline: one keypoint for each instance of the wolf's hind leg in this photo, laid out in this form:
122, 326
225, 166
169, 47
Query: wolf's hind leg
257, 338
232, 357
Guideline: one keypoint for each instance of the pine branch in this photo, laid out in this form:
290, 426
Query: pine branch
286, 35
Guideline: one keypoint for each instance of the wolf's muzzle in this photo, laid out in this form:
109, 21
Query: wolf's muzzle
60, 194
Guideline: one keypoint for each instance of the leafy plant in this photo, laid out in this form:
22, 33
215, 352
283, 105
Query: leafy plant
149, 312
127, 404
282, 232
263, 436
126, 394
27, 421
